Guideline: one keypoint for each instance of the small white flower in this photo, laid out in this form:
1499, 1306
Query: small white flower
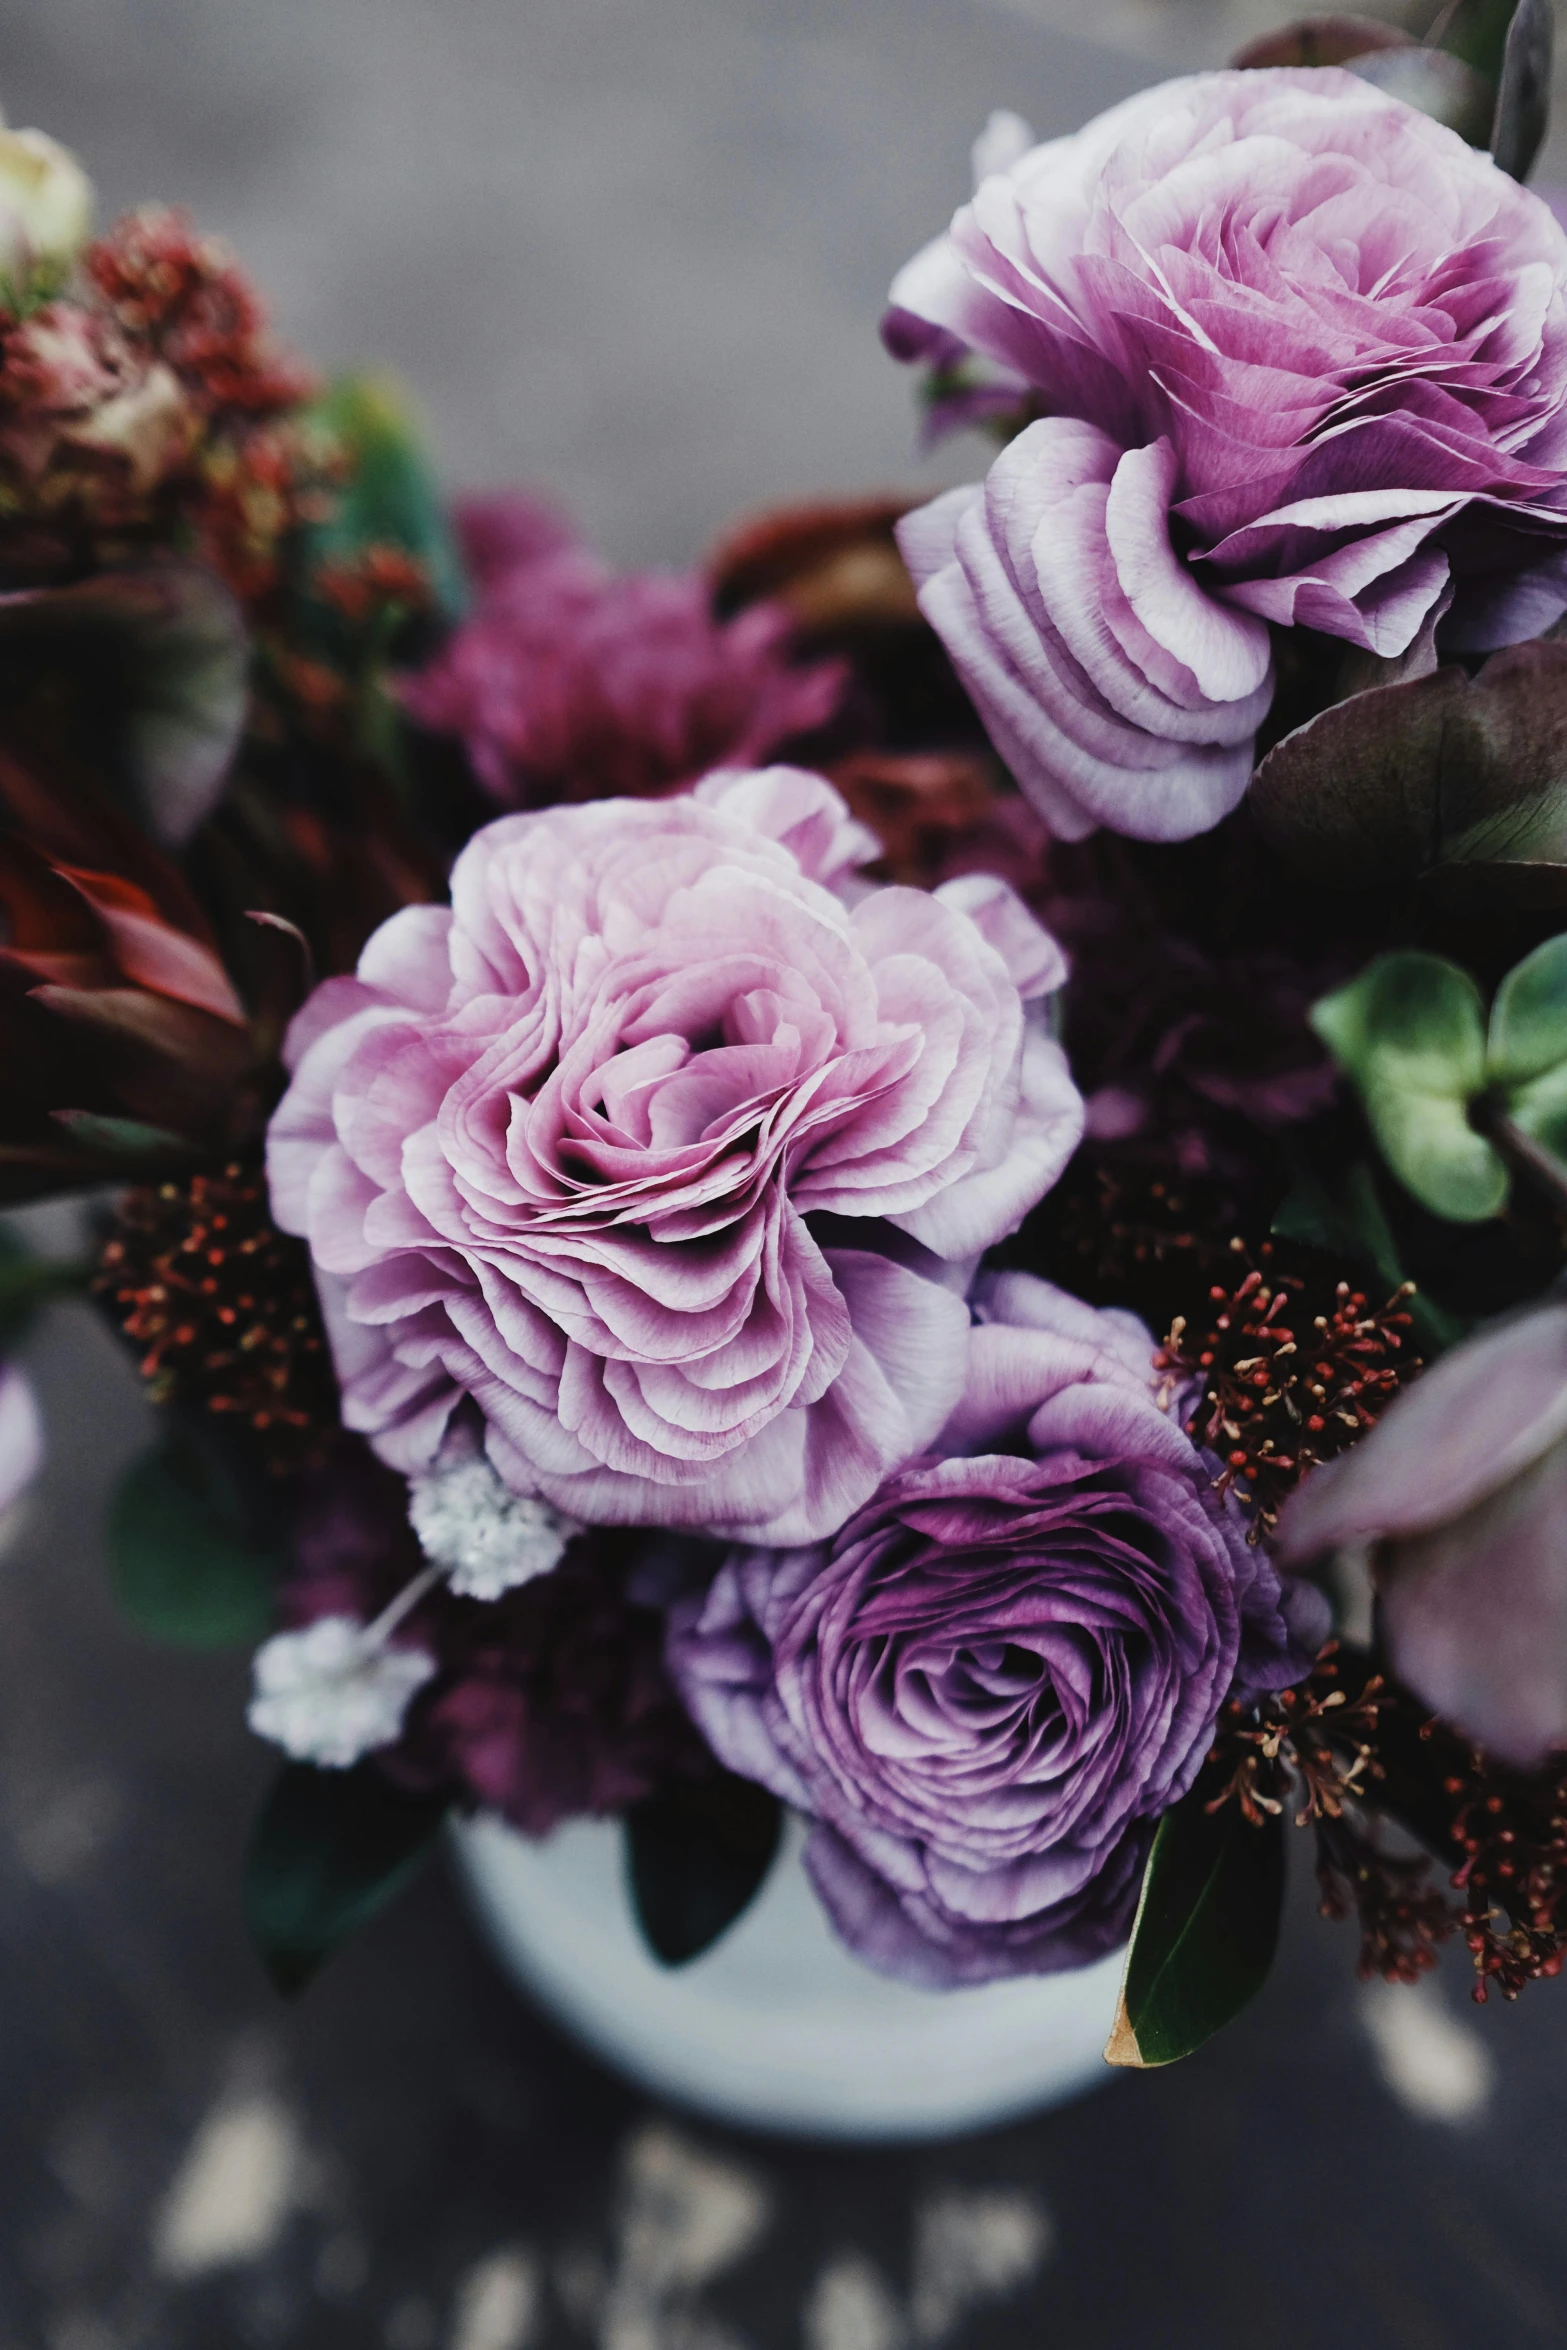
46, 203
487, 1537
329, 1694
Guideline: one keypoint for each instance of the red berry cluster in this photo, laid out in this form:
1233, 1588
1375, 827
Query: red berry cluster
1279, 1385
223, 1310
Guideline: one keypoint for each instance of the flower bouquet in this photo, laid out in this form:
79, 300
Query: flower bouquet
919, 1177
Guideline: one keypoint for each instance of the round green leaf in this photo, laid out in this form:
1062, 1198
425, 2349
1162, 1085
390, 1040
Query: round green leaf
1528, 1034
1410, 1033
1409, 1019
179, 1570
1427, 1140
1540, 1110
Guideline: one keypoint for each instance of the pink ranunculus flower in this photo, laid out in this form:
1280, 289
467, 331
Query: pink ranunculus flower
1303, 360
668, 1145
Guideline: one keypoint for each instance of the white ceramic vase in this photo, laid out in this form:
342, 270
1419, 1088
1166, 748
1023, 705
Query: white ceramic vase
777, 2027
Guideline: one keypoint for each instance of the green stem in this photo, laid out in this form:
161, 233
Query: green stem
1530, 1158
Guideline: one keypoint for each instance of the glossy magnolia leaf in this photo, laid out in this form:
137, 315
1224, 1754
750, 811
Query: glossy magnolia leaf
1523, 98
185, 1564
1476, 31
1434, 83
697, 1857
390, 497
1409, 1032
1206, 1930
329, 1851
1407, 776
160, 656
189, 671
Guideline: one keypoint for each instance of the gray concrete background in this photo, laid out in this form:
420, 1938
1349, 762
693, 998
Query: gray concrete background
635, 250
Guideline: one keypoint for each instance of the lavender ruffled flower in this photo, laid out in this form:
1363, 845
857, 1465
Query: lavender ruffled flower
1303, 360
669, 1145
568, 681
990, 1684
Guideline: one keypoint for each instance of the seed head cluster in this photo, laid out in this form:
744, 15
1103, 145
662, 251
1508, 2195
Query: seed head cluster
222, 1309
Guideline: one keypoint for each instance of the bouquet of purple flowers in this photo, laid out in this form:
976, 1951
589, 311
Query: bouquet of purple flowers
920, 1176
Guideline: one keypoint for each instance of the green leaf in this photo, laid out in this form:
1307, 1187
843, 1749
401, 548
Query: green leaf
1409, 1032
127, 1141
1523, 98
1528, 1031
1349, 1221
1477, 32
329, 1851
1540, 1110
1402, 777
158, 654
1436, 1154
391, 497
184, 1564
696, 1858
28, 1282
1206, 1929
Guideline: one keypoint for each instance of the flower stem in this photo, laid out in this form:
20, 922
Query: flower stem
1530, 1158
377, 1634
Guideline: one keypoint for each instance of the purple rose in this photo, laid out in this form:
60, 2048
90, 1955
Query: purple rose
669, 1145
1459, 1496
990, 1684
1304, 360
570, 682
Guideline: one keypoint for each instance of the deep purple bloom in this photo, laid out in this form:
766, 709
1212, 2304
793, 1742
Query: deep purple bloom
1458, 1497
669, 1144
989, 1685
568, 681
1303, 360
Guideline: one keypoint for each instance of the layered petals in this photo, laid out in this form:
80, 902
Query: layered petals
656, 1148
1290, 338
990, 1684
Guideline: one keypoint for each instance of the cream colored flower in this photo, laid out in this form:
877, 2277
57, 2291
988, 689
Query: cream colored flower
46, 207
